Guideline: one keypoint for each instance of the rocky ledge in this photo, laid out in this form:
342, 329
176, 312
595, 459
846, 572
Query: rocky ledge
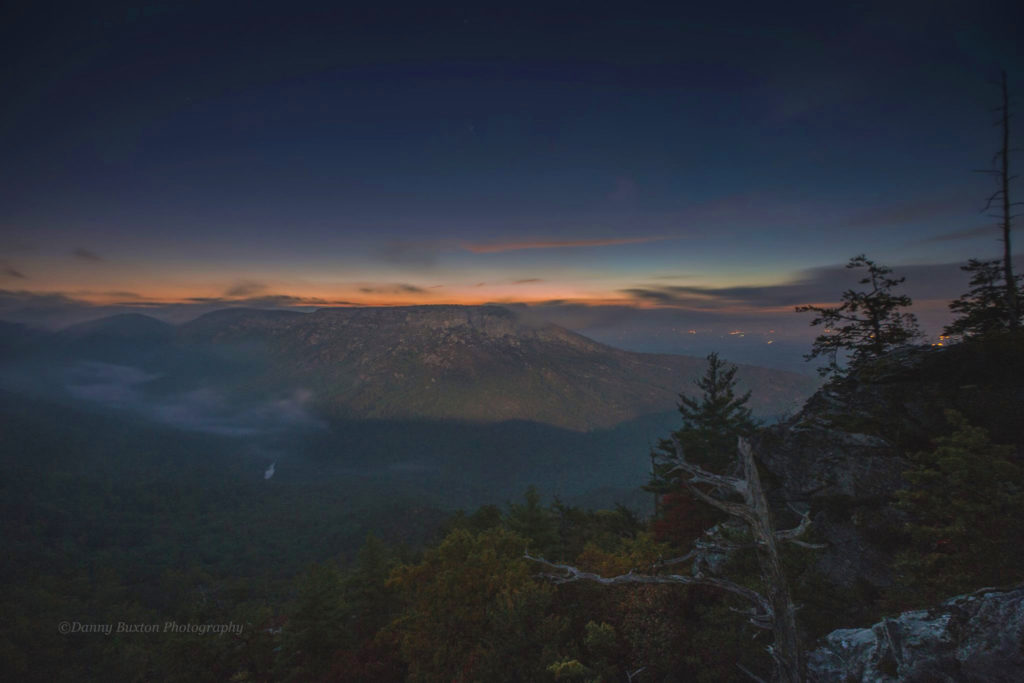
975, 637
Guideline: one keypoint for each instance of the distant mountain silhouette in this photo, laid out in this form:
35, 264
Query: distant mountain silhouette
15, 337
127, 338
124, 327
477, 363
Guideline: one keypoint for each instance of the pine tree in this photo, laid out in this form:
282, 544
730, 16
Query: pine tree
711, 425
982, 310
534, 522
317, 627
867, 324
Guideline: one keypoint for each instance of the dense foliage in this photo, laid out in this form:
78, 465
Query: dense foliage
966, 503
128, 530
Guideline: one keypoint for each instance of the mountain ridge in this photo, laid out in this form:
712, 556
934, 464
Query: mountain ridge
481, 363
450, 362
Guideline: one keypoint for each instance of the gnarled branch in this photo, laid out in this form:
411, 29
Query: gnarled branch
570, 574
774, 611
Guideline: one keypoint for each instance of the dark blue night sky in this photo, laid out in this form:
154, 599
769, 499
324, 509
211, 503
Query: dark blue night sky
720, 161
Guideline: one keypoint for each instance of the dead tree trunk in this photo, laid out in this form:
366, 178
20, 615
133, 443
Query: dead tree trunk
775, 610
786, 652
1011, 285
1002, 195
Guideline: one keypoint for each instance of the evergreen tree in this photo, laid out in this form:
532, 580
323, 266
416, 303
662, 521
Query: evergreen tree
371, 602
711, 425
317, 626
982, 310
534, 522
867, 324
966, 502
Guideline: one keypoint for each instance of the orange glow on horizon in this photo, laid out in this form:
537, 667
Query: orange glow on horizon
353, 296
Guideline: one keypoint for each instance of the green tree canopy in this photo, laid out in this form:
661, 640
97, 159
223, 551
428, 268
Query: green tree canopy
966, 502
475, 611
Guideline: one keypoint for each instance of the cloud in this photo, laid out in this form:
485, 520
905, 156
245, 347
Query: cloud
123, 295
815, 286
527, 280
10, 271
86, 255
265, 301
696, 297
912, 211
495, 247
123, 388
679, 276
415, 254
992, 231
245, 288
398, 288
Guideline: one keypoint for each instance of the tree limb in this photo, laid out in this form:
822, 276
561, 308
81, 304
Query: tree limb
571, 574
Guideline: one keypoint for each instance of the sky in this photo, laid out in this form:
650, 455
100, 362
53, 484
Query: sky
635, 173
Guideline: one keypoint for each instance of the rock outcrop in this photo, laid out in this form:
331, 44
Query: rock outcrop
976, 637
843, 455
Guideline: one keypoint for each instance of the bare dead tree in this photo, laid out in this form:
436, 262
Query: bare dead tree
1002, 195
742, 498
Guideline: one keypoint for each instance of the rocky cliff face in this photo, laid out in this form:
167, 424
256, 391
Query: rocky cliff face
842, 455
977, 637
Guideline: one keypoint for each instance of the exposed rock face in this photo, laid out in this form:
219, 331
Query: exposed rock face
977, 637
843, 454
847, 479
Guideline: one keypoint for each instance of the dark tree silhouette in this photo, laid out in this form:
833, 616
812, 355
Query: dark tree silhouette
867, 324
711, 425
983, 309
1001, 160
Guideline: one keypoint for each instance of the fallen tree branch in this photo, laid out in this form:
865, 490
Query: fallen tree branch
570, 574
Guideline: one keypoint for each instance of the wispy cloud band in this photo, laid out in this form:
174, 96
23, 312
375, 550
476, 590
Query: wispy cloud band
495, 247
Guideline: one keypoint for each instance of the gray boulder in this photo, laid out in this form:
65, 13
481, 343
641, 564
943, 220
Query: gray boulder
975, 637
